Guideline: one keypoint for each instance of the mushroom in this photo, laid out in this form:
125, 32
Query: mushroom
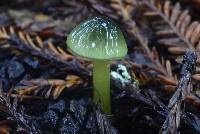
101, 41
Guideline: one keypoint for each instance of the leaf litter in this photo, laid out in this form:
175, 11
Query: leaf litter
45, 89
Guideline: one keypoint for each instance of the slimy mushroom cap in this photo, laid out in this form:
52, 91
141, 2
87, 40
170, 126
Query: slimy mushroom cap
97, 38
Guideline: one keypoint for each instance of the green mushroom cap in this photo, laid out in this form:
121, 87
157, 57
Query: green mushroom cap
97, 38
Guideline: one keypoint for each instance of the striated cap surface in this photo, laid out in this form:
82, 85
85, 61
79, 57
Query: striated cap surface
97, 38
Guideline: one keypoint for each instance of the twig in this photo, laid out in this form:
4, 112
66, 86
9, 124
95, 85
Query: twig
172, 122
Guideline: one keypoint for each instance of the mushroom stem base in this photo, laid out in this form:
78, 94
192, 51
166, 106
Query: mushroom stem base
101, 83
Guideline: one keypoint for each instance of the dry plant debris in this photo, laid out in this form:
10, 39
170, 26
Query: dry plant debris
54, 87
39, 75
174, 28
172, 122
24, 42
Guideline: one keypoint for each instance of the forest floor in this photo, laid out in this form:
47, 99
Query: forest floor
45, 89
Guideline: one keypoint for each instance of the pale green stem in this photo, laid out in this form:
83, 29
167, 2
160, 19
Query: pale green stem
101, 82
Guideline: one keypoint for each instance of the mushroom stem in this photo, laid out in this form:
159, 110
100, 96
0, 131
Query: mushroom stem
101, 83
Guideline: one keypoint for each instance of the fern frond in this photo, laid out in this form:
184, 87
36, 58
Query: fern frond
156, 70
48, 88
35, 46
173, 26
121, 10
